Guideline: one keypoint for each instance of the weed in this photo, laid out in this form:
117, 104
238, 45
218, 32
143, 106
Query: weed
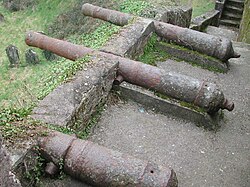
195, 53
8, 128
61, 175
94, 119
64, 130
13, 114
134, 7
152, 54
97, 38
35, 170
61, 72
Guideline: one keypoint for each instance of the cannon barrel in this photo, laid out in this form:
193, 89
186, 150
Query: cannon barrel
100, 166
217, 47
185, 88
59, 47
112, 16
201, 93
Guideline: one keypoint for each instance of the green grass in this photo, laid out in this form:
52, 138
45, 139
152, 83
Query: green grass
98, 38
134, 7
152, 53
22, 87
18, 86
199, 6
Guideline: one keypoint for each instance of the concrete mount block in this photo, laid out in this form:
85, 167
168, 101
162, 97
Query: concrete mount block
219, 5
131, 39
166, 106
201, 22
77, 100
190, 56
180, 15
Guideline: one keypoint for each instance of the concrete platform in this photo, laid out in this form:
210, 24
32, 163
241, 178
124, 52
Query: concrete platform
199, 157
222, 31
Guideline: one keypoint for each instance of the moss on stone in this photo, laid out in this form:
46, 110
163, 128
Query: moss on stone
245, 24
154, 53
181, 103
192, 106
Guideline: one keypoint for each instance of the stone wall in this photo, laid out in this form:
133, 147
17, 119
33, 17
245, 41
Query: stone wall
245, 24
7, 178
130, 41
201, 22
73, 103
180, 15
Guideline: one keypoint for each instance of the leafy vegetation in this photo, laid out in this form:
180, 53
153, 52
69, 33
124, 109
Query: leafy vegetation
15, 124
98, 38
34, 174
62, 71
152, 53
21, 88
134, 7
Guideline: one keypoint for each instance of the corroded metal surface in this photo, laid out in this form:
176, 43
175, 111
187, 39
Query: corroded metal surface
112, 16
59, 47
218, 47
100, 166
205, 95
57, 153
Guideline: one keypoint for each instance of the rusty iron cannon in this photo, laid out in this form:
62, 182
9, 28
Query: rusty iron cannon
201, 93
100, 166
214, 46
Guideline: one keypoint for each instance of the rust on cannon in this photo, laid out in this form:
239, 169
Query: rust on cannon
205, 95
100, 166
59, 47
119, 18
185, 88
218, 47
214, 46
